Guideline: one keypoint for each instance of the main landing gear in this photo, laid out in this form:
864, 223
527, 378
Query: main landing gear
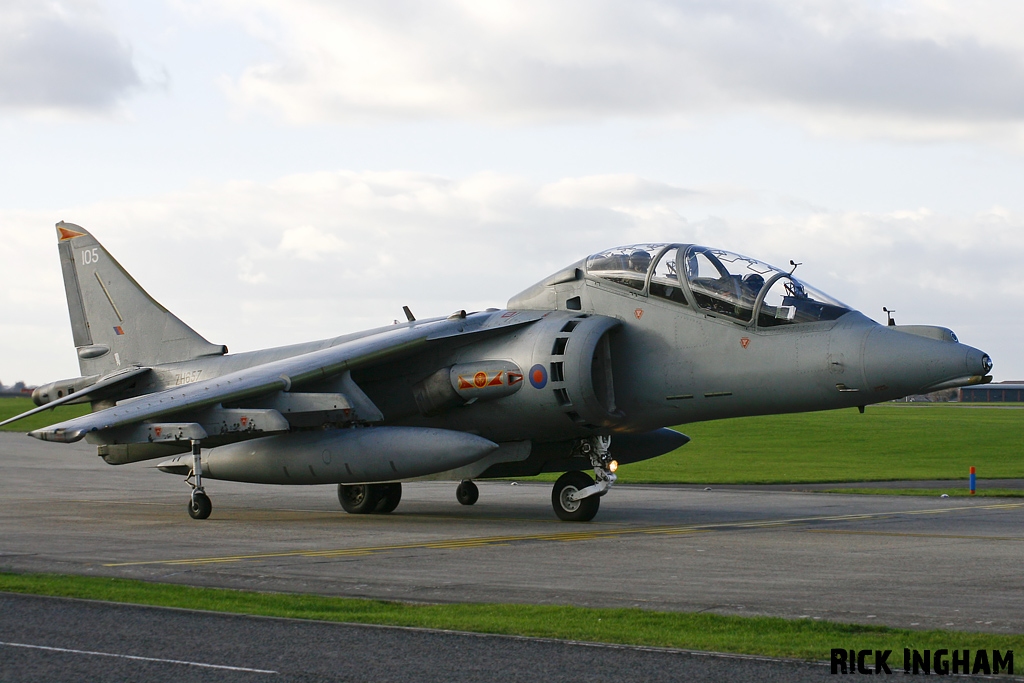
199, 505
467, 493
575, 496
364, 499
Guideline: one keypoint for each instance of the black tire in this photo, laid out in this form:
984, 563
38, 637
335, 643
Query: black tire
358, 499
467, 493
575, 510
391, 495
199, 506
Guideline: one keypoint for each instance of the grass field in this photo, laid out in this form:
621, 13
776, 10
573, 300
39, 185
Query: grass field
9, 407
801, 638
887, 442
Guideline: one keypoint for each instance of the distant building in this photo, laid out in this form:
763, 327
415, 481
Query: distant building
19, 389
1001, 392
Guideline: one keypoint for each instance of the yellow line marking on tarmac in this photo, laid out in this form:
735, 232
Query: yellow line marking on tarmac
444, 544
269, 511
487, 541
895, 533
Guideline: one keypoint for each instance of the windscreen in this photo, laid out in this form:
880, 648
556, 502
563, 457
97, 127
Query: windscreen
790, 301
625, 265
720, 282
725, 283
729, 284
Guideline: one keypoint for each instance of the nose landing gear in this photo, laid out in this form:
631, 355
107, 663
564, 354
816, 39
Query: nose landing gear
467, 492
576, 497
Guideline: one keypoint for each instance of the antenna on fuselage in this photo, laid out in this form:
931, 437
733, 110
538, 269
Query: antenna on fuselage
794, 264
888, 313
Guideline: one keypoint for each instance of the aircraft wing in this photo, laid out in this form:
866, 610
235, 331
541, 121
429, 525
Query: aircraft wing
280, 375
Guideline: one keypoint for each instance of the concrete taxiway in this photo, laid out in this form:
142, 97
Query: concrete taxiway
902, 561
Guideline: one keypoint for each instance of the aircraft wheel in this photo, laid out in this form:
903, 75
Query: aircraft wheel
574, 510
467, 493
358, 499
391, 494
199, 507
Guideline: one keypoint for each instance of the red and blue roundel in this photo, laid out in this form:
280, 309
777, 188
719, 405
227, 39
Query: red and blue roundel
538, 376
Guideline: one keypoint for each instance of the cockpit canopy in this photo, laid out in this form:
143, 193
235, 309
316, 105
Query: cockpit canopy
716, 281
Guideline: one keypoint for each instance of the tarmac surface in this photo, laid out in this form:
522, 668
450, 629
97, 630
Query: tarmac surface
903, 561
77, 640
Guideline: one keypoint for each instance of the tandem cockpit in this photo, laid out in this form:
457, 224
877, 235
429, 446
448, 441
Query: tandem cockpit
715, 281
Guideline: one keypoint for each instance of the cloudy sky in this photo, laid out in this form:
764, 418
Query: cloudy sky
276, 171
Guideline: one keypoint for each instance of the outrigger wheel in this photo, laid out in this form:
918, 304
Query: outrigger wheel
199, 507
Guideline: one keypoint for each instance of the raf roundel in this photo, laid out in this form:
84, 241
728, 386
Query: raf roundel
538, 376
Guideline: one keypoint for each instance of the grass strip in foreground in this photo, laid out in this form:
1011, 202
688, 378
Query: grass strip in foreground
935, 493
771, 636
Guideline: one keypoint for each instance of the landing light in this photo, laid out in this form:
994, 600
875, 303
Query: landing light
613, 465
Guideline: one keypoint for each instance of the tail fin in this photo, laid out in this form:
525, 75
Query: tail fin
114, 321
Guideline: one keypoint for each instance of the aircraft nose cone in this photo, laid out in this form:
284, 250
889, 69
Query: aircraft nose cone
902, 363
977, 362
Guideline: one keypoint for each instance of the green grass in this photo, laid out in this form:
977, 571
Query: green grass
887, 442
9, 407
800, 638
952, 493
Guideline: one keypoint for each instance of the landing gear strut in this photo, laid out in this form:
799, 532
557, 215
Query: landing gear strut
575, 496
199, 505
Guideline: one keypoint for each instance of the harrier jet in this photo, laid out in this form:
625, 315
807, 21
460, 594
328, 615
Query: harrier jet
582, 371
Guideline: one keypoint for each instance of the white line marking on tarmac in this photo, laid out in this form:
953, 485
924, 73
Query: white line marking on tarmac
142, 659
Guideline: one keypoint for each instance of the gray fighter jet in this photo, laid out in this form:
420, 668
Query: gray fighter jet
584, 370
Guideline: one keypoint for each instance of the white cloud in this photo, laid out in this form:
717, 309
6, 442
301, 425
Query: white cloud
62, 56
609, 190
317, 255
309, 243
907, 69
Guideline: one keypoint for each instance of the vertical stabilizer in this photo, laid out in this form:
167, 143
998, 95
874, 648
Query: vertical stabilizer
114, 321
